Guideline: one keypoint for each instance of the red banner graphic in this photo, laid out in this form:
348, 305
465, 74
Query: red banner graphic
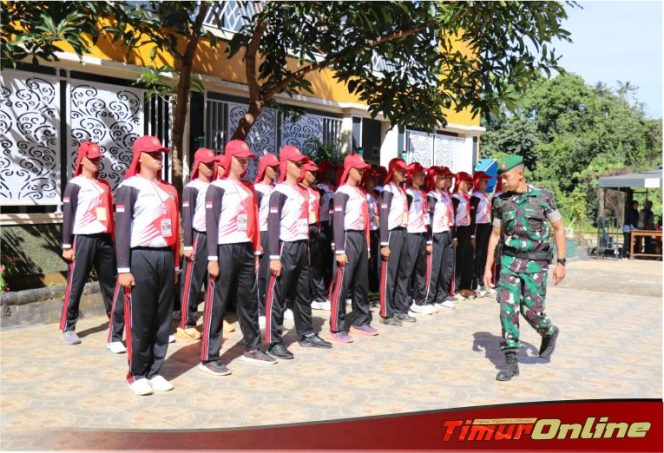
589, 425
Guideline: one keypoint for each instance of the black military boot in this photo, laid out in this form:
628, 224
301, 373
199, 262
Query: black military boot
549, 343
511, 367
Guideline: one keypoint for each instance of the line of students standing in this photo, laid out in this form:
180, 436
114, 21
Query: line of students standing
277, 247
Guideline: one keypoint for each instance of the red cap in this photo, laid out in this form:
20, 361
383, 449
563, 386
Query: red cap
148, 143
444, 171
288, 153
238, 148
309, 165
352, 161
430, 177
463, 176
266, 160
86, 149
395, 164
480, 175
144, 144
415, 167
221, 160
201, 156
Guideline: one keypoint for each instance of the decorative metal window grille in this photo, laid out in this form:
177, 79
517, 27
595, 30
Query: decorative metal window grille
35, 145
216, 124
433, 149
29, 139
271, 130
158, 122
309, 129
420, 147
109, 115
262, 137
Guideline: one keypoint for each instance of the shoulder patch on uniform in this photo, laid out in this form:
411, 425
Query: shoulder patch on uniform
208, 205
120, 208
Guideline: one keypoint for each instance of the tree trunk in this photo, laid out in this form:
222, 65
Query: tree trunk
248, 120
182, 97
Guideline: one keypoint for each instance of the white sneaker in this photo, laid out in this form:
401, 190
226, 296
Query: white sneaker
481, 291
425, 309
171, 338
459, 297
160, 384
325, 305
116, 347
491, 291
288, 314
448, 305
141, 387
261, 322
412, 313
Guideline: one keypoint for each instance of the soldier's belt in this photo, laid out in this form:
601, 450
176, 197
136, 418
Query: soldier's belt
539, 255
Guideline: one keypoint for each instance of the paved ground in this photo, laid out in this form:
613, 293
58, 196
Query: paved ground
609, 312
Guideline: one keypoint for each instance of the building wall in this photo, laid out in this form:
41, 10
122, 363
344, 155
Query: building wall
49, 110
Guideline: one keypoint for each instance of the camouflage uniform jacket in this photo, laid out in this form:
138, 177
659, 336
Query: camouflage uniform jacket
524, 219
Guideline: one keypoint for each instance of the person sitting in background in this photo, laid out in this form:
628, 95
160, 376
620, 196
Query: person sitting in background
631, 222
647, 219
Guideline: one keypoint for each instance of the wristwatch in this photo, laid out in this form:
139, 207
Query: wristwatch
562, 261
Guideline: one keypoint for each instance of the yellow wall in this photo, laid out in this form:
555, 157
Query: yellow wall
214, 62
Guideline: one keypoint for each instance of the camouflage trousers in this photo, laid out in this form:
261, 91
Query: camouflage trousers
525, 293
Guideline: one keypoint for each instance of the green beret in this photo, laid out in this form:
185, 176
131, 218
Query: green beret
509, 162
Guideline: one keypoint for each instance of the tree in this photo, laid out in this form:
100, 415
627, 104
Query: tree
570, 134
434, 55
39, 30
175, 28
36, 30
424, 68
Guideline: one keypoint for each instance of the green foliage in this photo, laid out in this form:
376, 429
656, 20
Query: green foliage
34, 29
320, 151
570, 134
423, 70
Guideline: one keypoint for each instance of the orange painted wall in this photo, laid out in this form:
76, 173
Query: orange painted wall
214, 62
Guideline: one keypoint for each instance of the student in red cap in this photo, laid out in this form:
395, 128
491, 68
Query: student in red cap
147, 250
381, 174
268, 165
220, 167
441, 213
369, 185
233, 251
463, 237
480, 210
195, 240
321, 241
317, 290
351, 239
87, 242
419, 244
394, 304
288, 236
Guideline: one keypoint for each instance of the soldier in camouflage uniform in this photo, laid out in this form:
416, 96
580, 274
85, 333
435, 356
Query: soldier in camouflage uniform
521, 215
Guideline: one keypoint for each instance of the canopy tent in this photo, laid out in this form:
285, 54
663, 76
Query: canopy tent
649, 180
